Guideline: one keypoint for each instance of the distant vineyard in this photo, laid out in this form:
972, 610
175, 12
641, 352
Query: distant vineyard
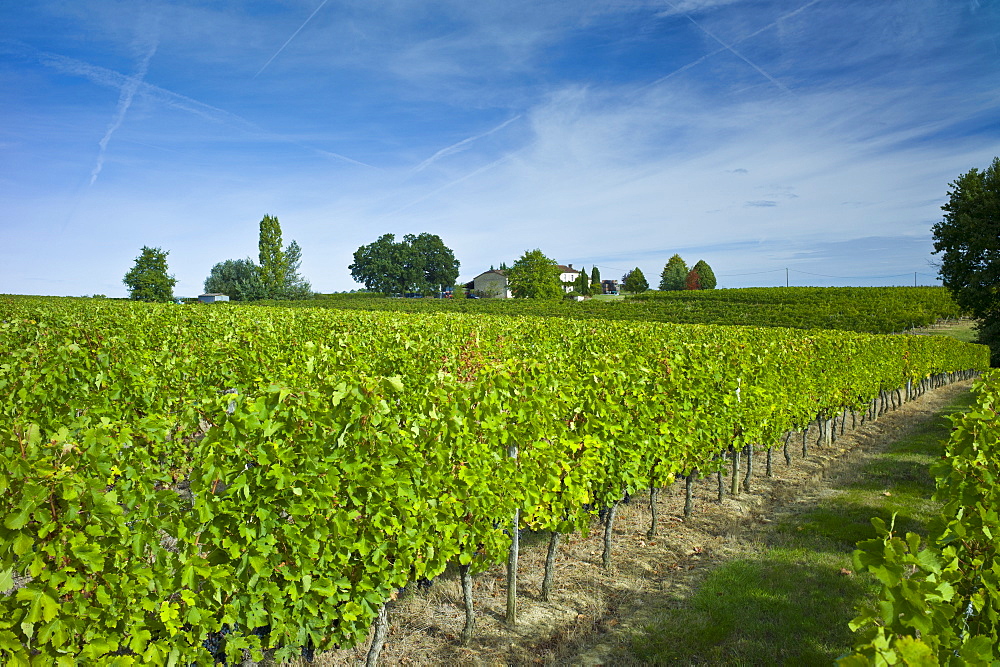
863, 309
168, 473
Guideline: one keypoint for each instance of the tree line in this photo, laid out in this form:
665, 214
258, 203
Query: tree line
968, 239
675, 276
274, 276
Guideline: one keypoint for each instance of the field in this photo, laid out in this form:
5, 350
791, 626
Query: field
188, 480
864, 309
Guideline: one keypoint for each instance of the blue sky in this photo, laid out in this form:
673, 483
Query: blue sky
815, 135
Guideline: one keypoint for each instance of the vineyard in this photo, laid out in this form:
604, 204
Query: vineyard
863, 309
940, 597
182, 483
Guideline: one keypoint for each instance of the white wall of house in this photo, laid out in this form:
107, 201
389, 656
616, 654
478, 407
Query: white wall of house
569, 275
493, 284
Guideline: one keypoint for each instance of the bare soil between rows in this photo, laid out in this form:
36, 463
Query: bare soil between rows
593, 613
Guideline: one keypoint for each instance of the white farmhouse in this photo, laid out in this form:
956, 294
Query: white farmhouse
567, 274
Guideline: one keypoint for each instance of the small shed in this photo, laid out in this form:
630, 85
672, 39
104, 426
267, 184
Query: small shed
212, 298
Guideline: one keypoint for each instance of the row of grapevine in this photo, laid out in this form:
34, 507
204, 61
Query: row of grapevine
940, 599
866, 309
169, 472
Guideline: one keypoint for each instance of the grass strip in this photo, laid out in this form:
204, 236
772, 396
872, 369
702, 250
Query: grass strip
790, 602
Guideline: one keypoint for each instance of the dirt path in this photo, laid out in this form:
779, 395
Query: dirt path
593, 613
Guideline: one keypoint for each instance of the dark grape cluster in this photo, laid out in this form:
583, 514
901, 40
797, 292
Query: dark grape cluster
215, 644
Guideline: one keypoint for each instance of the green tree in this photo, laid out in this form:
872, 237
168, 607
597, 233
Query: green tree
236, 278
634, 281
674, 274
435, 263
293, 285
271, 258
148, 280
706, 277
595, 280
377, 265
421, 263
969, 242
535, 276
582, 283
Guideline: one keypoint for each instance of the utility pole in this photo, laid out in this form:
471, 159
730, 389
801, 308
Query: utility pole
786, 276
914, 278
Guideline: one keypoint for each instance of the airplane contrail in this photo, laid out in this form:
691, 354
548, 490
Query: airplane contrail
124, 102
112, 79
739, 55
455, 148
725, 48
304, 23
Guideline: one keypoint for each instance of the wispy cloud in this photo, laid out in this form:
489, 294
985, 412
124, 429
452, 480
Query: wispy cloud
462, 145
289, 40
131, 86
449, 185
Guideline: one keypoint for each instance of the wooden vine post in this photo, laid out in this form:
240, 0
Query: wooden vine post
550, 565
609, 522
511, 617
722, 486
654, 491
378, 640
748, 449
470, 614
689, 492
734, 483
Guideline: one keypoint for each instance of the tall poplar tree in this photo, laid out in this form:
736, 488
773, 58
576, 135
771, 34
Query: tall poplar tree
582, 283
272, 263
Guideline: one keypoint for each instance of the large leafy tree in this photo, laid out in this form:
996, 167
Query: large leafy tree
535, 276
434, 262
634, 281
148, 279
238, 279
674, 274
421, 263
968, 239
706, 277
